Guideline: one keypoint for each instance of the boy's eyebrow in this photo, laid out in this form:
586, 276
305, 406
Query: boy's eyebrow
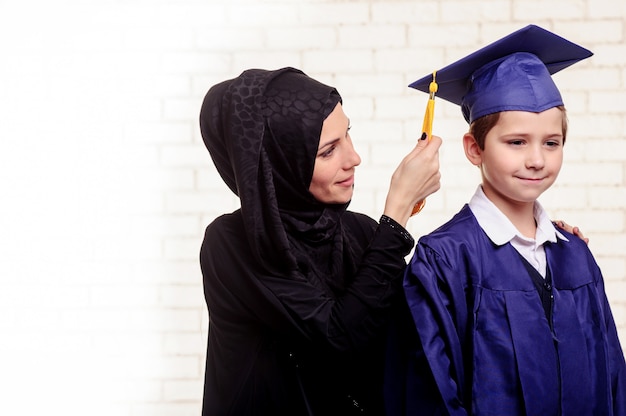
524, 134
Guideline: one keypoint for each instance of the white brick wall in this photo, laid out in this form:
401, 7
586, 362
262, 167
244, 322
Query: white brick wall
106, 186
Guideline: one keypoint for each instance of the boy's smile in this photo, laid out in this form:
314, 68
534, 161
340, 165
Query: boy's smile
522, 157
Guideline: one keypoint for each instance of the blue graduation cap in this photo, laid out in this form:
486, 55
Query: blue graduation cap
513, 73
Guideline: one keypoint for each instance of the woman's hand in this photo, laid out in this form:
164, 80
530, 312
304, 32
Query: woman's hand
414, 179
574, 230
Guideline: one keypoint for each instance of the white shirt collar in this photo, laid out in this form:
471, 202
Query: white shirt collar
501, 230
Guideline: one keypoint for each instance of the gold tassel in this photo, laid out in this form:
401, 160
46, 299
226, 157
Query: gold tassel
427, 128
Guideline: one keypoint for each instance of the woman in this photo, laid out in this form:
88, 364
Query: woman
298, 288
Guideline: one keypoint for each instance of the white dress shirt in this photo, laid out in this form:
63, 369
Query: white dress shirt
501, 230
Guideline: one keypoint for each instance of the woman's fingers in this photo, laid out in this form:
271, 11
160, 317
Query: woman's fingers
416, 177
571, 229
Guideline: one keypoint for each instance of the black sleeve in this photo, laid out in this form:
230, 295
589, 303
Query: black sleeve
235, 291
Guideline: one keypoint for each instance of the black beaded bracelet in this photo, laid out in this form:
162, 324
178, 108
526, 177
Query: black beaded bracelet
394, 224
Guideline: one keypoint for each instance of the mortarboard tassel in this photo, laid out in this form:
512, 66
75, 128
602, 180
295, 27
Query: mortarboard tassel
427, 127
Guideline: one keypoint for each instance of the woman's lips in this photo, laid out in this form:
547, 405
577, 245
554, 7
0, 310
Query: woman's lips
347, 182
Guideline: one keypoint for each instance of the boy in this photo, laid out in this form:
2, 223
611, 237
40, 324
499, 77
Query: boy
511, 314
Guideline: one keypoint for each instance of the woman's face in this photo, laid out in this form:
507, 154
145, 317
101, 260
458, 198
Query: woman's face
333, 174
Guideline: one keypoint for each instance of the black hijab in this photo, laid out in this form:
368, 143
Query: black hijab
262, 130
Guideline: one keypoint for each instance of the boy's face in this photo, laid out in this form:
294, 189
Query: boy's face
522, 157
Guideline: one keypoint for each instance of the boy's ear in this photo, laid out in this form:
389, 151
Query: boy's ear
473, 152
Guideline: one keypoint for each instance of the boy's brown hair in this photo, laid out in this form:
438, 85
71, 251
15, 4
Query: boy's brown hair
481, 126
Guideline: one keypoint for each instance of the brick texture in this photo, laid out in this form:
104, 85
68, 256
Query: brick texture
106, 186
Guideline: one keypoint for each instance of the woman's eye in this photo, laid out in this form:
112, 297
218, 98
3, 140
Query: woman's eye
327, 153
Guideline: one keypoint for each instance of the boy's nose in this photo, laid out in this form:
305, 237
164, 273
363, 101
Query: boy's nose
535, 158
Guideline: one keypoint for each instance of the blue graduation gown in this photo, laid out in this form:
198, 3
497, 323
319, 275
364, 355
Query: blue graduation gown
487, 342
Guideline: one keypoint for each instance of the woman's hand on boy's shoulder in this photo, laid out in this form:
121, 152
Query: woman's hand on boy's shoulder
570, 229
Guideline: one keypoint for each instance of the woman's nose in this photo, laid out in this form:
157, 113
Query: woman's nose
353, 158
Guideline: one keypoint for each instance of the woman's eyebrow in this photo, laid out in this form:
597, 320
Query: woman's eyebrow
331, 142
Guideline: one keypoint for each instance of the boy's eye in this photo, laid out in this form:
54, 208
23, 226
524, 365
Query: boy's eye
516, 142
